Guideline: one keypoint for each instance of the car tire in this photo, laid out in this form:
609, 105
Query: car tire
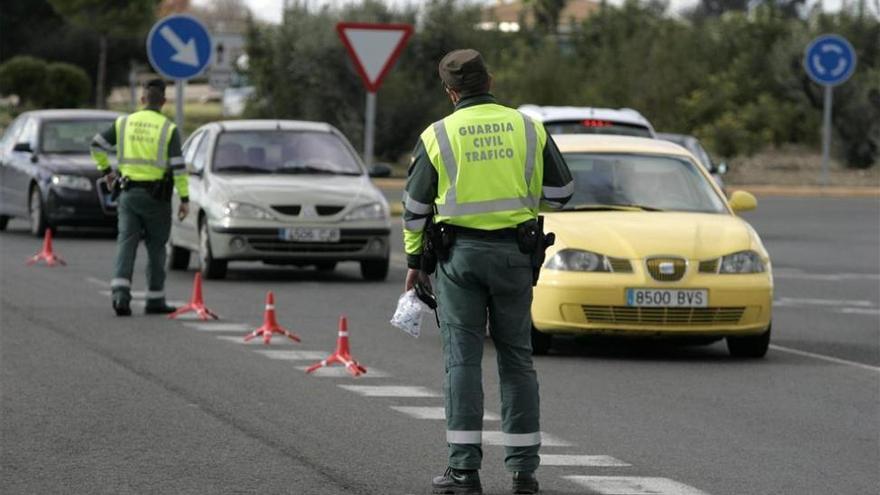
211, 268
178, 257
752, 346
325, 266
37, 213
541, 342
4, 221
375, 270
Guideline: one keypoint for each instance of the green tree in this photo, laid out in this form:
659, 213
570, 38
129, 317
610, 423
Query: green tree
25, 77
67, 86
109, 19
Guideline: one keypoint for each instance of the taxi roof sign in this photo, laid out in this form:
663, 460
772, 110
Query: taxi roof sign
373, 48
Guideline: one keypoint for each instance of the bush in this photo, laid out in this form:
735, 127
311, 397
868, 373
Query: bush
25, 77
67, 86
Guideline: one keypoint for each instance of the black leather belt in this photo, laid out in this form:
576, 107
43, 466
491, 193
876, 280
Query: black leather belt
484, 234
143, 184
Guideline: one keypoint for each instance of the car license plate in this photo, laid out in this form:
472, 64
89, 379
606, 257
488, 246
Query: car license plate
667, 298
309, 234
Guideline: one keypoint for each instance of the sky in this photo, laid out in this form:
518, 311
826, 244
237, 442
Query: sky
270, 10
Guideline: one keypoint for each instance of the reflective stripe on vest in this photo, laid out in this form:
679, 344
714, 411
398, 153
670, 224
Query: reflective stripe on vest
451, 207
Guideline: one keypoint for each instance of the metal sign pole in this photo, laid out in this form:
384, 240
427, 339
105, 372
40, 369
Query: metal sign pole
178, 105
826, 133
369, 127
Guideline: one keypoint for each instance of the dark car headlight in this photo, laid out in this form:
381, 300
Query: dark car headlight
577, 260
742, 262
72, 182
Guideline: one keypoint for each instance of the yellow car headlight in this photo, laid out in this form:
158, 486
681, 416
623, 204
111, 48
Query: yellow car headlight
577, 260
742, 262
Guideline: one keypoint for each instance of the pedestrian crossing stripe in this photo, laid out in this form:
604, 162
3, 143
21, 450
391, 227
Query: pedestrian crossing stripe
390, 391
581, 460
292, 355
342, 372
436, 412
220, 327
633, 485
498, 438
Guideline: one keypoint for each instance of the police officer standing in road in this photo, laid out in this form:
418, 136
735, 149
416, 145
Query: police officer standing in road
150, 163
471, 202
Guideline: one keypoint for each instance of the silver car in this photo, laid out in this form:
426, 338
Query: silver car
281, 192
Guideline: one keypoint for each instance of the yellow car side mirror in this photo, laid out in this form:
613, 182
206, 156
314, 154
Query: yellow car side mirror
742, 201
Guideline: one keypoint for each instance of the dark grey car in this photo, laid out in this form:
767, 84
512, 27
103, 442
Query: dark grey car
46, 172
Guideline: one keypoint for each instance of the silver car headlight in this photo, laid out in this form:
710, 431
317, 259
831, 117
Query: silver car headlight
577, 260
234, 209
372, 211
742, 262
72, 182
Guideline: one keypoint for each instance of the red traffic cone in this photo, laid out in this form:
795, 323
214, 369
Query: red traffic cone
196, 303
46, 253
342, 354
270, 324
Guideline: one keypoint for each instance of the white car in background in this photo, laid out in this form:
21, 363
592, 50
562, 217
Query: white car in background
590, 120
281, 192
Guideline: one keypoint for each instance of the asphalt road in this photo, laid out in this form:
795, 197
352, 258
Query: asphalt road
94, 404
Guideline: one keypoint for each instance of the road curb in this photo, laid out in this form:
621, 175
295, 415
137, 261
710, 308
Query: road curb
809, 191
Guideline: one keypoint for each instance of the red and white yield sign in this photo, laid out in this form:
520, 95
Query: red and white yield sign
373, 48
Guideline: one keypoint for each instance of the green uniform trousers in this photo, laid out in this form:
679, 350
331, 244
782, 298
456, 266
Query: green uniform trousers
488, 279
140, 213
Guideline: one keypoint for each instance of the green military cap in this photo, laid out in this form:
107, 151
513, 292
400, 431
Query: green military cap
464, 71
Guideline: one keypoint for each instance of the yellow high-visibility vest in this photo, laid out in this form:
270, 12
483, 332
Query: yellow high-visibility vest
490, 166
142, 145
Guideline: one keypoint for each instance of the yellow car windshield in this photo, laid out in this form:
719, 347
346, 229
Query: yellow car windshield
641, 182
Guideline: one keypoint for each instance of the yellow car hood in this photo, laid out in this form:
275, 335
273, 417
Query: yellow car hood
637, 234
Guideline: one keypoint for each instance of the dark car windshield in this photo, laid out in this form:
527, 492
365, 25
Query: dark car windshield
642, 181
284, 152
70, 136
596, 126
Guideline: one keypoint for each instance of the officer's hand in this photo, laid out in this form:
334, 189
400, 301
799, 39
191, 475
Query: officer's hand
110, 177
182, 211
412, 275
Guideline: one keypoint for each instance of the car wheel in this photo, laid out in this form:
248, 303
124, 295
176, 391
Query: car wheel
178, 257
375, 269
325, 266
37, 214
541, 342
4, 220
752, 346
211, 268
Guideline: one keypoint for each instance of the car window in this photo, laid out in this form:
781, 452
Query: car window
191, 145
11, 134
652, 181
29, 133
596, 126
200, 157
70, 136
284, 152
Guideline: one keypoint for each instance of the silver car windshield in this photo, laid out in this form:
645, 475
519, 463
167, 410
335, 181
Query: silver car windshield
70, 136
284, 152
639, 181
596, 126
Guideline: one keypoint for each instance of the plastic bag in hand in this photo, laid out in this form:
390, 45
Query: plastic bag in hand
408, 316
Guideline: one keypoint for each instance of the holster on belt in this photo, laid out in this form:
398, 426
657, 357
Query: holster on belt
437, 243
164, 188
532, 240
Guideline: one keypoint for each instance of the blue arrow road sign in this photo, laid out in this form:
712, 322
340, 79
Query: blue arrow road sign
829, 59
179, 47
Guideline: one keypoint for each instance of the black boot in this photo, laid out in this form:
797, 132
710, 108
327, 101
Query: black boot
524, 482
122, 309
458, 481
164, 309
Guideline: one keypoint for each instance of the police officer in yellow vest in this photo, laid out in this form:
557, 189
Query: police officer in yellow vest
149, 162
477, 179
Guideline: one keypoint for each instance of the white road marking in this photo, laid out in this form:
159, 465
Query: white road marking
437, 413
547, 440
138, 297
794, 273
293, 355
220, 327
581, 460
634, 485
341, 372
805, 301
859, 311
390, 391
825, 358
100, 283
276, 340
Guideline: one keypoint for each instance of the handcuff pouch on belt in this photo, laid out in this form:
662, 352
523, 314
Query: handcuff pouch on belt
437, 242
532, 240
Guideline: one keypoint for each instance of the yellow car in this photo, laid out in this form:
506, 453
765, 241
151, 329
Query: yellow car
649, 246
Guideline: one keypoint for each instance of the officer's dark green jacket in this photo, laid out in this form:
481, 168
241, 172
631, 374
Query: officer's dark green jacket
485, 166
